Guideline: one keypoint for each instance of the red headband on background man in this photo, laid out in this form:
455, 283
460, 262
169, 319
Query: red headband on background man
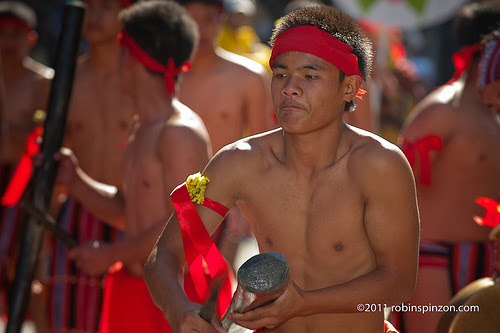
15, 22
168, 70
315, 41
126, 3
462, 60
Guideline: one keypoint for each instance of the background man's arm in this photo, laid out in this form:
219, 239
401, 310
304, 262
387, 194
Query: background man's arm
103, 200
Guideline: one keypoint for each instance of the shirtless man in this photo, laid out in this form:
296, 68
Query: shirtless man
26, 81
24, 89
462, 138
98, 126
227, 91
167, 142
338, 202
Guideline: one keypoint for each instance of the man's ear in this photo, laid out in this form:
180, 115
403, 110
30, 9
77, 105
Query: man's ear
32, 38
352, 83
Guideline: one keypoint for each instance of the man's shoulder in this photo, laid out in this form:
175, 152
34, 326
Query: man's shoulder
184, 123
253, 149
240, 65
373, 154
435, 114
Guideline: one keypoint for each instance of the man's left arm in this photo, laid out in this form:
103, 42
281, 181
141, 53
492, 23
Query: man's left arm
392, 226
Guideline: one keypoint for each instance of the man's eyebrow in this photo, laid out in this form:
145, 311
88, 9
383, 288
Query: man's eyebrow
316, 67
279, 65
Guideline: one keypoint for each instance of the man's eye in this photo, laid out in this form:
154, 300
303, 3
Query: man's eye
279, 75
311, 77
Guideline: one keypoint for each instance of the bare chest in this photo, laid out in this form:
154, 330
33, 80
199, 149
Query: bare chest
99, 111
215, 98
475, 146
21, 102
142, 166
309, 219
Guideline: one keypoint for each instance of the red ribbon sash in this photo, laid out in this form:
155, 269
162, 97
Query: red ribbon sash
423, 147
22, 174
491, 217
203, 258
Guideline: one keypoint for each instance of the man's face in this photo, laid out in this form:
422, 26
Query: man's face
15, 42
306, 92
491, 96
101, 20
208, 18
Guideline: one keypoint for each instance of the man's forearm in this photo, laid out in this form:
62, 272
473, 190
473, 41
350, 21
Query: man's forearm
377, 287
102, 200
163, 279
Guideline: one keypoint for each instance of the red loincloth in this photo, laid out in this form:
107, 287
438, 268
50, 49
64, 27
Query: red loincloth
127, 305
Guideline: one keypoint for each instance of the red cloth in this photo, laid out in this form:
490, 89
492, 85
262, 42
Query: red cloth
127, 305
423, 147
16, 23
491, 217
462, 60
320, 43
22, 174
389, 328
169, 70
203, 258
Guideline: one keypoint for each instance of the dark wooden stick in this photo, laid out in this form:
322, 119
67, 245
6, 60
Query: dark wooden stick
44, 176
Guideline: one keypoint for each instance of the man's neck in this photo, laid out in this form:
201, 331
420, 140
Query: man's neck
470, 93
152, 102
315, 151
104, 56
12, 68
204, 61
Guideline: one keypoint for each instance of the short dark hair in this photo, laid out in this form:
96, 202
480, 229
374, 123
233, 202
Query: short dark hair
163, 29
474, 20
219, 3
18, 10
339, 25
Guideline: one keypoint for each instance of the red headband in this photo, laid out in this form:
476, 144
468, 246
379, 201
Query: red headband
169, 71
462, 60
126, 3
310, 39
16, 23
489, 70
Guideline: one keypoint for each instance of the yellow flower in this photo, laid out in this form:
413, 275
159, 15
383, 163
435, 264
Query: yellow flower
196, 185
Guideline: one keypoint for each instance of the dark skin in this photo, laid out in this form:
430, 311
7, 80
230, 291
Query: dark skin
315, 191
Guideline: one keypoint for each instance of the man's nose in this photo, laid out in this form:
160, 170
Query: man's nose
292, 87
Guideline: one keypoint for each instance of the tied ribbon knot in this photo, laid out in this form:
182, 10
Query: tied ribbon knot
22, 174
491, 217
203, 258
423, 147
169, 71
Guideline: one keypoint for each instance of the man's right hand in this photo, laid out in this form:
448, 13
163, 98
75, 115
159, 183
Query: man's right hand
190, 321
